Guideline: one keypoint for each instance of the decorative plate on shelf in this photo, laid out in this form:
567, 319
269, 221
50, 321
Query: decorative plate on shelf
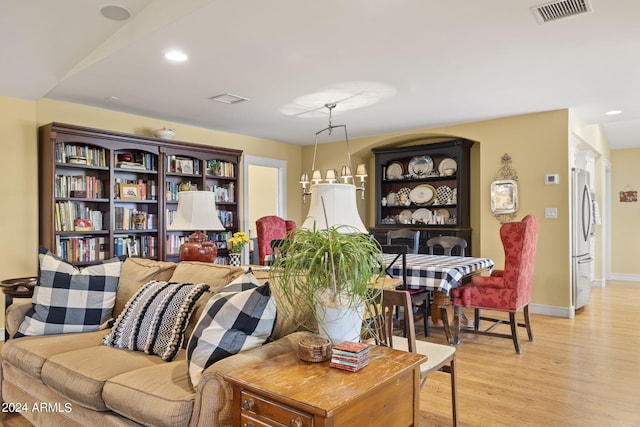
395, 170
404, 217
420, 166
422, 216
423, 194
444, 194
448, 167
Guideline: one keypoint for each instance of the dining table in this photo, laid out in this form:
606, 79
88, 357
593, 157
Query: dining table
439, 273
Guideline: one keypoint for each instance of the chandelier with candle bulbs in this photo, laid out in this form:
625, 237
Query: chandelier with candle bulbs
346, 176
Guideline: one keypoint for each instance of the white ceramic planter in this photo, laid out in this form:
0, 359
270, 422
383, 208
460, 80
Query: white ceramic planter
340, 324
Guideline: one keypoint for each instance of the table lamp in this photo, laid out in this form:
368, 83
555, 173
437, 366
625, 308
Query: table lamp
197, 211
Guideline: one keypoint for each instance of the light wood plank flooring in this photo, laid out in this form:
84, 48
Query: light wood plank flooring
577, 372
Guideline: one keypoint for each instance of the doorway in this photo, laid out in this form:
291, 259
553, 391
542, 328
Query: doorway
265, 190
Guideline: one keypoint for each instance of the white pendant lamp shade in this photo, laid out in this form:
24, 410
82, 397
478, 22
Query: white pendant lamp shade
340, 205
196, 211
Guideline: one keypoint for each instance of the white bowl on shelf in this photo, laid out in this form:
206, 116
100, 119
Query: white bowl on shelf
164, 133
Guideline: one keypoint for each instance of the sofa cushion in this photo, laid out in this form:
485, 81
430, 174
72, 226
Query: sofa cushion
239, 317
135, 273
155, 318
217, 276
67, 299
29, 353
159, 395
80, 375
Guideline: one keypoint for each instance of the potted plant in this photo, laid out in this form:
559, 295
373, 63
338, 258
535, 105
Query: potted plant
330, 273
236, 244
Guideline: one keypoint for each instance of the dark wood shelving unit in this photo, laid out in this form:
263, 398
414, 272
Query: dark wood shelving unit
424, 187
157, 167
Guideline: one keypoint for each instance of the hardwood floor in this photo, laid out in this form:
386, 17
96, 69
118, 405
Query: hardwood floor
577, 372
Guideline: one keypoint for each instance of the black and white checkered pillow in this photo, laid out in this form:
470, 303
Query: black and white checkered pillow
239, 317
68, 299
155, 318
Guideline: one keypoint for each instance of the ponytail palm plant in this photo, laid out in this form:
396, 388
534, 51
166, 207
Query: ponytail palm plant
331, 268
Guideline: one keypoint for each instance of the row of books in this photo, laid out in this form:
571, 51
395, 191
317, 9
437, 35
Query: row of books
132, 219
220, 168
140, 160
84, 186
134, 246
69, 214
76, 249
224, 194
93, 156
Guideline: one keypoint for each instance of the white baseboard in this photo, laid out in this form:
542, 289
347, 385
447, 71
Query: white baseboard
548, 310
625, 277
2, 334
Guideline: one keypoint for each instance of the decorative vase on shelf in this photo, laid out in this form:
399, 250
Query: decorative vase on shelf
234, 259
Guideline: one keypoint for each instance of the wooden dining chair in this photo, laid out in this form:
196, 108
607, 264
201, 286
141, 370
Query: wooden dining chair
448, 245
419, 297
439, 357
411, 238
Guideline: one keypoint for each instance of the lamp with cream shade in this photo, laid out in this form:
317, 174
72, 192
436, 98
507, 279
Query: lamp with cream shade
197, 211
340, 206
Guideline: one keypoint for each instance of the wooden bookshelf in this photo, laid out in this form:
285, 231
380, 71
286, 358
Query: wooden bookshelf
105, 193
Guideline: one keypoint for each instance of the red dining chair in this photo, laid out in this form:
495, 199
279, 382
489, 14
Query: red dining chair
505, 290
269, 228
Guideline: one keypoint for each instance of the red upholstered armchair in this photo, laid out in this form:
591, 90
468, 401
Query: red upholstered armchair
269, 228
505, 290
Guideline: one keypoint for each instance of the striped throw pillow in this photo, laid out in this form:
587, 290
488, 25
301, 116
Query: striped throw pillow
155, 318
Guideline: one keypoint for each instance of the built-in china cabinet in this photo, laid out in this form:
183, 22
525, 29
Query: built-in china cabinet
105, 193
424, 187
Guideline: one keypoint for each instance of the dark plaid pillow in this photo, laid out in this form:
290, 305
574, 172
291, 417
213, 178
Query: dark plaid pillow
239, 317
155, 318
68, 299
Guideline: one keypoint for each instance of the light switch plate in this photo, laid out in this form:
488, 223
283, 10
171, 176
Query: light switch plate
552, 178
551, 213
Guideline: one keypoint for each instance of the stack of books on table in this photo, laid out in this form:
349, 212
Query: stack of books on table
350, 356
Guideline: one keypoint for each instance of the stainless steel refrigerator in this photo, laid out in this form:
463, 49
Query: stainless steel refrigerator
582, 233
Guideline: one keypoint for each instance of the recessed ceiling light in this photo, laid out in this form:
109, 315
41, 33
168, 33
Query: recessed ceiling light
613, 112
228, 98
115, 12
113, 98
175, 55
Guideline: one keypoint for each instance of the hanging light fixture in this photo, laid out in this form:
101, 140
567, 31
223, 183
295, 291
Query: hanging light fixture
346, 176
333, 199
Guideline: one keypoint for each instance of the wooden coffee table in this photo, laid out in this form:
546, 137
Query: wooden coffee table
290, 392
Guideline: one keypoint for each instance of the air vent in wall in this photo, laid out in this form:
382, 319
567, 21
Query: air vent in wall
560, 9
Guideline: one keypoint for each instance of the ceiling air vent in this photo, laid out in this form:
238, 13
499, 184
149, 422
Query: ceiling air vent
560, 9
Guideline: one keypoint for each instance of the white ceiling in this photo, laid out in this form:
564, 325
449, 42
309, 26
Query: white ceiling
445, 62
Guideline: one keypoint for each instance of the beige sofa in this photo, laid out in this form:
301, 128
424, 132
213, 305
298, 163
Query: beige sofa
75, 380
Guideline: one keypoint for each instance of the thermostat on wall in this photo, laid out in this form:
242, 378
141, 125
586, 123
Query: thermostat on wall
552, 178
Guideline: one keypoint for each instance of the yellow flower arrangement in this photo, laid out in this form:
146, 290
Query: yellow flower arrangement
237, 241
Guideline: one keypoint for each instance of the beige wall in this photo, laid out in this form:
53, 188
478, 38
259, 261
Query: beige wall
263, 188
625, 228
